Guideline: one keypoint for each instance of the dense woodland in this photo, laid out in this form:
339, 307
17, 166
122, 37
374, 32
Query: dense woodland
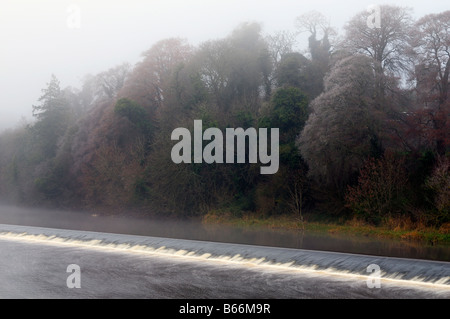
364, 121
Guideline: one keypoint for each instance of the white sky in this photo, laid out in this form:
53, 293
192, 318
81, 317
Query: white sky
36, 40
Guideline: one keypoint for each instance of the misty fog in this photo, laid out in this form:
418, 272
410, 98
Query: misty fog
38, 38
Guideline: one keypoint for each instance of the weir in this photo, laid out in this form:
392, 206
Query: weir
401, 270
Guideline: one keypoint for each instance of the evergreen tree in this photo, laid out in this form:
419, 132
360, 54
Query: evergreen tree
52, 116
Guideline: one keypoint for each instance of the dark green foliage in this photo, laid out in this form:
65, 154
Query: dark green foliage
135, 113
293, 70
244, 119
53, 119
289, 113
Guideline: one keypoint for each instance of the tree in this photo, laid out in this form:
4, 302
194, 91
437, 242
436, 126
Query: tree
104, 86
135, 113
15, 164
292, 70
313, 22
280, 44
111, 178
150, 78
53, 115
295, 70
50, 100
250, 65
110, 82
386, 45
439, 184
380, 192
236, 70
289, 112
316, 24
212, 65
342, 129
430, 44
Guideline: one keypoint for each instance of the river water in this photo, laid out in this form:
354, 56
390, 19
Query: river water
194, 230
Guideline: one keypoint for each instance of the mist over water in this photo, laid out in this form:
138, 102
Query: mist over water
196, 230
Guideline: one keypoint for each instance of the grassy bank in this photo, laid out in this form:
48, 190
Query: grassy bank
393, 229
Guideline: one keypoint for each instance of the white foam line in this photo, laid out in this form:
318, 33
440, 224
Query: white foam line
163, 251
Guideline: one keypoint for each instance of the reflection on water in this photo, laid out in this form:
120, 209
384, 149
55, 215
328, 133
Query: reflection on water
329, 242
219, 233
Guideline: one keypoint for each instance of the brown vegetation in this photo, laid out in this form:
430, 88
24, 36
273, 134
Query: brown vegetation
352, 138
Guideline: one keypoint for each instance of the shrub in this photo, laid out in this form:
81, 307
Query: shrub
439, 184
380, 191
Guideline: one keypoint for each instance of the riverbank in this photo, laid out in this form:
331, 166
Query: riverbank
399, 230
396, 230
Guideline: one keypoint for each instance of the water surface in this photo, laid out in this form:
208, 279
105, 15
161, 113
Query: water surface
195, 230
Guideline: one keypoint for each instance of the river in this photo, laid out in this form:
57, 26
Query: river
195, 230
120, 257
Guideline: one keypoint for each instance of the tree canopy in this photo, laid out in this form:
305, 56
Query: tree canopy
364, 123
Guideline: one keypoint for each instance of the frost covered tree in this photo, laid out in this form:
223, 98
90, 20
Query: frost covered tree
342, 129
